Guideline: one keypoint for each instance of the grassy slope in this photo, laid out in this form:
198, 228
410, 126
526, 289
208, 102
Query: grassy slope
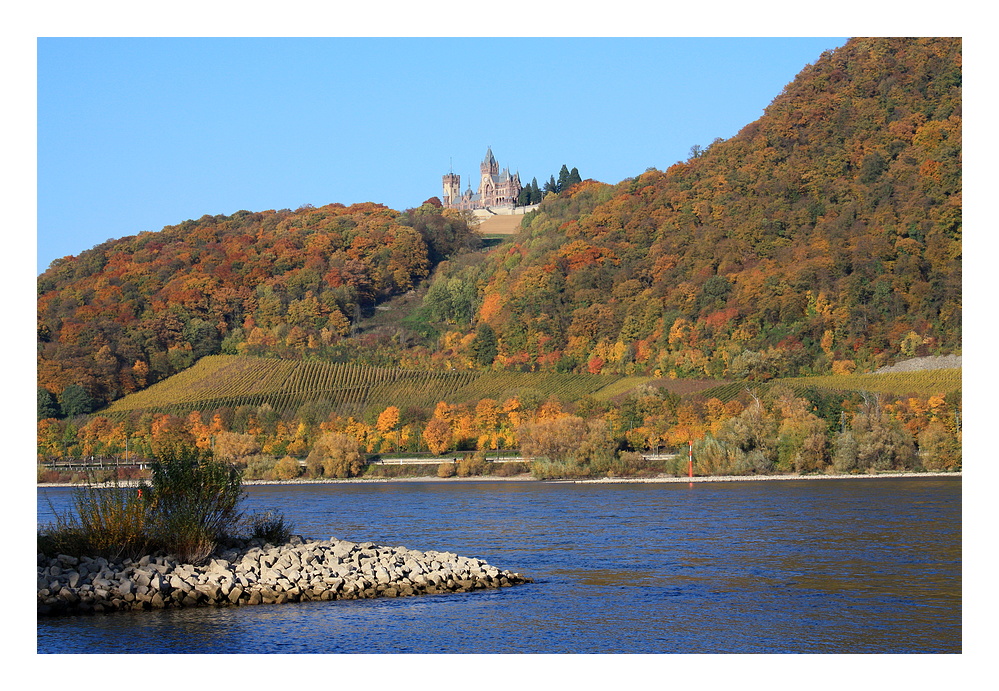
500, 225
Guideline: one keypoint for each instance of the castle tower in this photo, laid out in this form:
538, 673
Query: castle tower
487, 183
452, 189
489, 165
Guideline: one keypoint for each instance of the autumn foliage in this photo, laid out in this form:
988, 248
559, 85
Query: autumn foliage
771, 429
821, 242
130, 312
824, 238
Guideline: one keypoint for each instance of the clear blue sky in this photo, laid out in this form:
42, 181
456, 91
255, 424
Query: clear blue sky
138, 133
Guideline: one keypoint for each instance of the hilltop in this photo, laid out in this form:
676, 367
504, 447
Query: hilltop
823, 238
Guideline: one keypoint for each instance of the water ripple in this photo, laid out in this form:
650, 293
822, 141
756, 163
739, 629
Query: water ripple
849, 567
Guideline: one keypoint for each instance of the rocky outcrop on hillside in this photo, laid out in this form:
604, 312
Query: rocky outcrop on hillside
259, 573
923, 363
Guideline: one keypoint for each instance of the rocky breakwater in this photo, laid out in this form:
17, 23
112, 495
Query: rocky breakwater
259, 573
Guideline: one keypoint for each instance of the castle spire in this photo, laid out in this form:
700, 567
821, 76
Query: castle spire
489, 165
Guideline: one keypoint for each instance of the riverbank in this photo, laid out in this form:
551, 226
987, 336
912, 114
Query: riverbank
528, 478
337, 481
254, 573
753, 478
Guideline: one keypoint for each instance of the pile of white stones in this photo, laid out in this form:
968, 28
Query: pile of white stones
259, 573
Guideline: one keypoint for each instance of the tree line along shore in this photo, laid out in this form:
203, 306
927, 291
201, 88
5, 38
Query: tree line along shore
773, 430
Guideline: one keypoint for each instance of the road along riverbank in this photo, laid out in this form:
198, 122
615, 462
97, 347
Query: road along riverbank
255, 573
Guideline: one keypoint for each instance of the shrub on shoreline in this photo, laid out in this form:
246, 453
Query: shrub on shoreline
109, 522
190, 507
259, 467
475, 464
270, 526
193, 504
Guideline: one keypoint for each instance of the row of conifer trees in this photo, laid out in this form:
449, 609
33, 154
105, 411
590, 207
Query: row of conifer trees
533, 194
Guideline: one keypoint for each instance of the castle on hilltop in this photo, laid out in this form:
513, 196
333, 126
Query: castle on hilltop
496, 189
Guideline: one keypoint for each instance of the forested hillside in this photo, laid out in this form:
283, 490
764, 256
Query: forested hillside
133, 311
824, 238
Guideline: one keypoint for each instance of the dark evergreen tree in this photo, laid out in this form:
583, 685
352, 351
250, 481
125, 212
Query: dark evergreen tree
524, 198
485, 346
574, 178
47, 404
551, 185
536, 195
75, 401
563, 178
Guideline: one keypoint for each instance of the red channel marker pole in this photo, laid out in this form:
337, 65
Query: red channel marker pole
690, 460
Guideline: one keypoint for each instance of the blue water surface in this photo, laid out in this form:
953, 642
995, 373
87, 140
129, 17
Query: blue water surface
809, 566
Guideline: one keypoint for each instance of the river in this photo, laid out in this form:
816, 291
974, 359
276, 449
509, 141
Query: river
799, 566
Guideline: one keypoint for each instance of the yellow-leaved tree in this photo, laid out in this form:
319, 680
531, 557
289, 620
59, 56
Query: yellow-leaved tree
338, 454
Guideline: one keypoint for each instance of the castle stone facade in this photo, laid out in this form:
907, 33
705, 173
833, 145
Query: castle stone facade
496, 188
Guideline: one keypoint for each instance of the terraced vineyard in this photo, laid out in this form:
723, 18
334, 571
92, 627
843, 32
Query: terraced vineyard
220, 381
728, 391
229, 381
922, 383
620, 388
918, 383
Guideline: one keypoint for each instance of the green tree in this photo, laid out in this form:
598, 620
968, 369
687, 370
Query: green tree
748, 440
872, 167
48, 406
563, 179
75, 400
875, 440
451, 300
713, 293
485, 346
574, 178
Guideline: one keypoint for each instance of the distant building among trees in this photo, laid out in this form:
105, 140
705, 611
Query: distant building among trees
496, 188
501, 189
